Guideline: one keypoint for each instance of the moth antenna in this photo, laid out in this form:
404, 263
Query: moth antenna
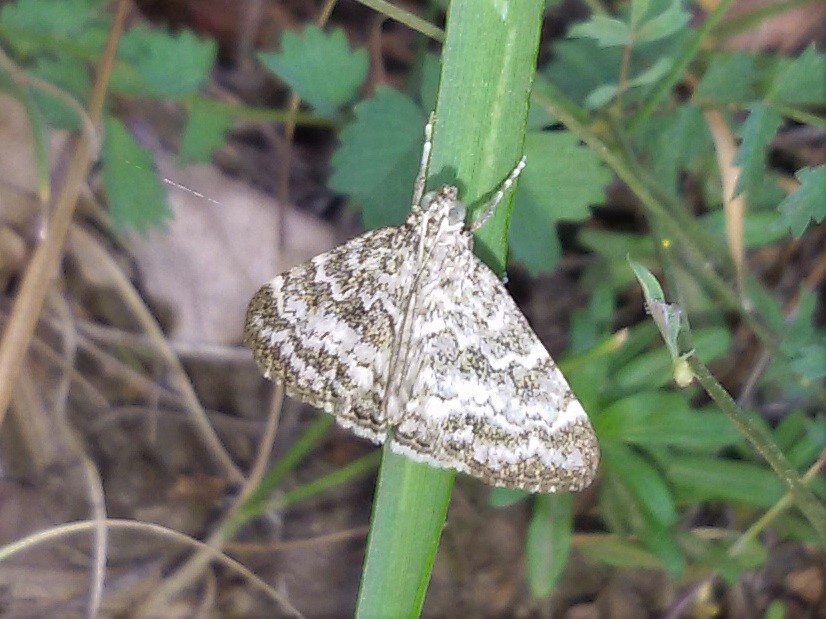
421, 177
490, 208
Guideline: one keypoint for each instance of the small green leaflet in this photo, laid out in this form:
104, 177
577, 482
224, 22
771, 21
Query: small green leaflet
136, 196
808, 202
319, 66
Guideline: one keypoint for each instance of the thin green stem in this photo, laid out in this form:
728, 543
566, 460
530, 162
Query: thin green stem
755, 431
773, 513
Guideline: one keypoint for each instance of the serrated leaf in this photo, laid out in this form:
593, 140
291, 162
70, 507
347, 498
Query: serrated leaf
205, 131
808, 202
164, 65
59, 18
642, 480
579, 66
321, 67
758, 130
548, 541
606, 31
699, 478
379, 154
136, 196
800, 81
561, 180
660, 135
729, 78
663, 25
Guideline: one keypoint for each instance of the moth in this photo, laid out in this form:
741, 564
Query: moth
406, 337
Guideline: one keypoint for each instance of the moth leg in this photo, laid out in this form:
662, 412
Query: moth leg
421, 177
490, 208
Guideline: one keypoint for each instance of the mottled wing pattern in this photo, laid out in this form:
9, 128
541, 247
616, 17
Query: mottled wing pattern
326, 327
485, 397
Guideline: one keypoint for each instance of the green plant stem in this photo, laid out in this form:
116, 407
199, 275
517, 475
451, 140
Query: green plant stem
411, 20
756, 433
488, 63
772, 514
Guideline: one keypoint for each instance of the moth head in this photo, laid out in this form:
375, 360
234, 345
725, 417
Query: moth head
445, 204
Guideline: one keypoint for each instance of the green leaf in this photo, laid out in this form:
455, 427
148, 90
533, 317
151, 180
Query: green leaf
606, 31
757, 132
801, 81
812, 441
652, 74
661, 542
653, 369
619, 552
616, 245
664, 418
715, 553
807, 202
661, 133
548, 541
58, 18
697, 478
810, 361
643, 481
639, 9
652, 291
663, 25
799, 329
321, 67
729, 79
379, 154
759, 228
68, 75
790, 429
205, 131
136, 196
161, 64
561, 180
579, 66
602, 95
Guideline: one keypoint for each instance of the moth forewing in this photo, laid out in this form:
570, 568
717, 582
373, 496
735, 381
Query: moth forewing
406, 336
